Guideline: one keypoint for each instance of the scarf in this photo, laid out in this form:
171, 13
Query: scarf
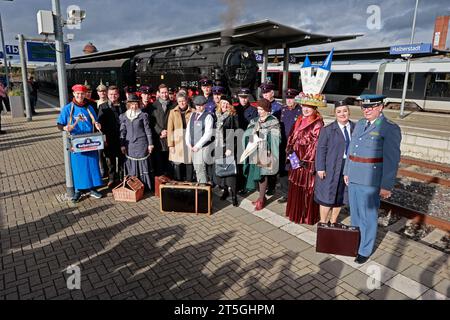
84, 104
221, 117
164, 104
132, 114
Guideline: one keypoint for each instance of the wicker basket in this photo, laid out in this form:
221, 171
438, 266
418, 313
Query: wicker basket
131, 190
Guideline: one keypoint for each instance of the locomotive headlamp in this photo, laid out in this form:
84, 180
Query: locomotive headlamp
245, 54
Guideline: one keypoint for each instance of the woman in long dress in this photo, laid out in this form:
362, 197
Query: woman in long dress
263, 162
302, 140
136, 141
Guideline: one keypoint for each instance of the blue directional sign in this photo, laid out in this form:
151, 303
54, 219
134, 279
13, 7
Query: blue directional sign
411, 48
44, 52
259, 57
11, 49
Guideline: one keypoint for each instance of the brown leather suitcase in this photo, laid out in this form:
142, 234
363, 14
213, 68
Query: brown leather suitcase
337, 239
158, 181
185, 197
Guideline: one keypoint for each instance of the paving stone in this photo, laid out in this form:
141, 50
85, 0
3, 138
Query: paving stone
408, 287
359, 281
387, 293
336, 268
422, 276
278, 235
263, 227
392, 262
295, 245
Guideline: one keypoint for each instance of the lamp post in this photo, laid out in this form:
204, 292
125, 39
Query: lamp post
62, 87
408, 62
5, 56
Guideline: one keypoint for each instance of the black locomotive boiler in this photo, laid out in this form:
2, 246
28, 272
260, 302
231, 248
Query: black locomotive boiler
231, 66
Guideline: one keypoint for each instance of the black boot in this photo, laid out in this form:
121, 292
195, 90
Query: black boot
234, 197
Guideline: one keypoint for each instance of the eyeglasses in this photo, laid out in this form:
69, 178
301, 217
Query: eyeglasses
370, 108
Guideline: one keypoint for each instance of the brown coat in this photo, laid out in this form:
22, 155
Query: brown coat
176, 135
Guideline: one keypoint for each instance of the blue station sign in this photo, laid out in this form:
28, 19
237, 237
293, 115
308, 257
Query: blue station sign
411, 48
44, 52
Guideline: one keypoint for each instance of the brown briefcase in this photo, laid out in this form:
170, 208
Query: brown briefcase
185, 197
337, 239
158, 181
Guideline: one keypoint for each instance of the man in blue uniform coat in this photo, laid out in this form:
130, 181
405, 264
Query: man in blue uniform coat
78, 117
370, 172
267, 90
206, 86
289, 115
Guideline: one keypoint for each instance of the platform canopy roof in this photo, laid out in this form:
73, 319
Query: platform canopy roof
257, 35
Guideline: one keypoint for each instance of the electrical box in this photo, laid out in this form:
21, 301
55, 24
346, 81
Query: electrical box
45, 22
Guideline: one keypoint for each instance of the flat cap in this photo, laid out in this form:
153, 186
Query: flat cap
200, 100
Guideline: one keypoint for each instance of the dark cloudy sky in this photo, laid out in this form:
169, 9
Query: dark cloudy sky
113, 24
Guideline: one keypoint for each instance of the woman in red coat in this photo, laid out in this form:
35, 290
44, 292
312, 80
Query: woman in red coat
302, 140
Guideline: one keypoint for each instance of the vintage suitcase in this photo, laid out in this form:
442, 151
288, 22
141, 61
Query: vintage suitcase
158, 181
337, 239
185, 197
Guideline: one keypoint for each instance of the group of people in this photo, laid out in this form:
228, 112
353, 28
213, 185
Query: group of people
262, 143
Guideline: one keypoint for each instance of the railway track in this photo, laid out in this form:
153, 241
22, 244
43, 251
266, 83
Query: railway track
424, 165
416, 216
420, 170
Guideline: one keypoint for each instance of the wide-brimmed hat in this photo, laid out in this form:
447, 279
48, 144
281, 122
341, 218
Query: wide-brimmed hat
312, 100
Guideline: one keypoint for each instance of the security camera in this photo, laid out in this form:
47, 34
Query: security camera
76, 14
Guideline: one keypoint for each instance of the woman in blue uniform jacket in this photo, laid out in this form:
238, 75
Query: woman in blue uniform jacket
331, 153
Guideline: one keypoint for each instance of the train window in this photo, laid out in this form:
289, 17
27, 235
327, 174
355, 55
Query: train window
442, 77
439, 85
398, 80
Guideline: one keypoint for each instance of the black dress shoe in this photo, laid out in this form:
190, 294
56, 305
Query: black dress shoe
361, 259
224, 195
282, 200
242, 192
270, 192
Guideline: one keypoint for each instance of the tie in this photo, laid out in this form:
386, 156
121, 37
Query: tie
196, 116
347, 140
367, 125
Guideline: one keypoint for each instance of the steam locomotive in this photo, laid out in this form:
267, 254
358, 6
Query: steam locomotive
231, 66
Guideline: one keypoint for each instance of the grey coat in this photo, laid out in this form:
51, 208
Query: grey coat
329, 158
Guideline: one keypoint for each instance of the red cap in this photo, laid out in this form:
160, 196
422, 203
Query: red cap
79, 87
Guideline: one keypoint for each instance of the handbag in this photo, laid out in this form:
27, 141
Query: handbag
225, 167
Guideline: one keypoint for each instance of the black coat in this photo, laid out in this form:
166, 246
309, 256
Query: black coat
329, 157
158, 122
227, 133
108, 117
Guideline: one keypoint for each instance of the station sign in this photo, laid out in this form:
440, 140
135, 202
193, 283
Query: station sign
411, 49
44, 52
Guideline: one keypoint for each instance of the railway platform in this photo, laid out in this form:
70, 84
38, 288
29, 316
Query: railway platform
132, 251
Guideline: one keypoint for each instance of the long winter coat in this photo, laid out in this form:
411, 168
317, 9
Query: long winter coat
158, 123
176, 135
329, 158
